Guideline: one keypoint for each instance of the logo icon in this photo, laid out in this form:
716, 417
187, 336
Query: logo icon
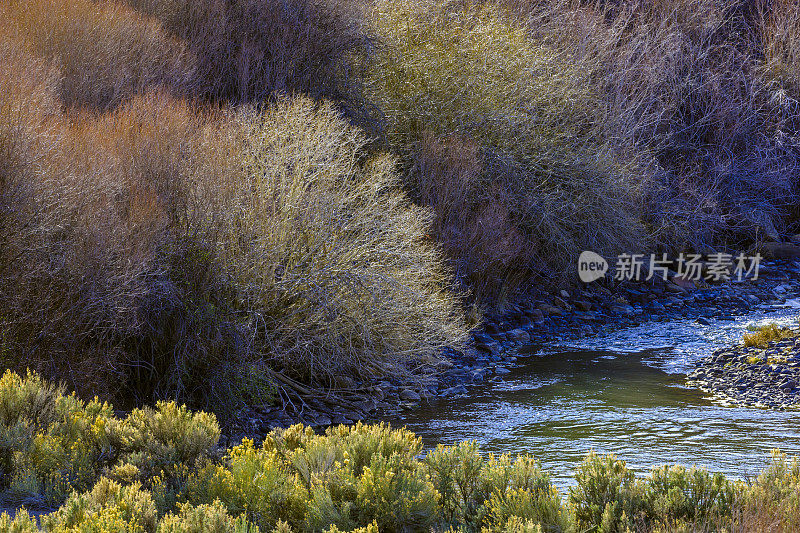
591, 267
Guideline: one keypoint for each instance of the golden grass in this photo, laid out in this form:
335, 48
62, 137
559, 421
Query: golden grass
762, 336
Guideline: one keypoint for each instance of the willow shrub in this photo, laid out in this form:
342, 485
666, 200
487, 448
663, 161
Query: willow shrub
163, 250
499, 135
324, 253
106, 52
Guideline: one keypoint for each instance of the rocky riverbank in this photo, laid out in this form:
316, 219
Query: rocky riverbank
767, 376
544, 316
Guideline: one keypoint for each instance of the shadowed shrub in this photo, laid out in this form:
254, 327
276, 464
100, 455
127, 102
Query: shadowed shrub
106, 52
251, 50
683, 82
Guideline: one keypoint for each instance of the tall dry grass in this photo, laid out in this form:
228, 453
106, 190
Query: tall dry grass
105, 51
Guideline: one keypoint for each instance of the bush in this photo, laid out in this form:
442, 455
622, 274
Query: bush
322, 247
106, 53
499, 135
252, 50
138, 284
209, 518
682, 83
109, 506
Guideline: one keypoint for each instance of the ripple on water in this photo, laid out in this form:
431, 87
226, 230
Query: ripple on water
620, 393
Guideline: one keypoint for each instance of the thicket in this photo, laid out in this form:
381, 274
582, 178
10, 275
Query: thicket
221, 202
162, 248
161, 470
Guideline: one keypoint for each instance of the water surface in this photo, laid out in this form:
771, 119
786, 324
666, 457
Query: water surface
622, 392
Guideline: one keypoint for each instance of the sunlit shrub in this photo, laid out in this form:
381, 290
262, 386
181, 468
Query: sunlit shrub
498, 133
607, 493
690, 495
324, 249
207, 518
253, 481
109, 506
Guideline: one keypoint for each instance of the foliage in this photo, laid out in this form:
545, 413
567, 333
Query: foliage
157, 470
498, 133
762, 336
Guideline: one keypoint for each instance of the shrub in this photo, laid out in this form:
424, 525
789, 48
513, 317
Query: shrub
499, 134
607, 494
683, 82
693, 496
109, 506
106, 53
762, 336
209, 518
324, 250
249, 51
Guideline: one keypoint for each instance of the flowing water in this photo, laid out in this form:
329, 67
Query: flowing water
621, 392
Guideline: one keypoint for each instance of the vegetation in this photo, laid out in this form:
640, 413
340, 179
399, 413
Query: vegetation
160, 470
163, 249
762, 336
224, 203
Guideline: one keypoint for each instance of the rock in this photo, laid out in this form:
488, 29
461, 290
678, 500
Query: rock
683, 283
564, 294
560, 303
519, 335
704, 321
583, 305
409, 395
781, 250
501, 371
675, 289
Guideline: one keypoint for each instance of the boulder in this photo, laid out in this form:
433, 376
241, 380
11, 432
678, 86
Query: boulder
781, 250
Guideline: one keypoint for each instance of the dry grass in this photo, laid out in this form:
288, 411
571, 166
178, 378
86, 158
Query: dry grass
762, 336
105, 51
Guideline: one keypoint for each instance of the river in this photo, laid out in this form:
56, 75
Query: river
620, 392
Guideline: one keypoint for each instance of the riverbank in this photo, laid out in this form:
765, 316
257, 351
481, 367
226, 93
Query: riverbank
764, 375
546, 316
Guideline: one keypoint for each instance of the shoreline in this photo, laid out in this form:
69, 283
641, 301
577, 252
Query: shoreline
543, 317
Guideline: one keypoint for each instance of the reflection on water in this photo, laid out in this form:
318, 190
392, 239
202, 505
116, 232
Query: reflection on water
619, 393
